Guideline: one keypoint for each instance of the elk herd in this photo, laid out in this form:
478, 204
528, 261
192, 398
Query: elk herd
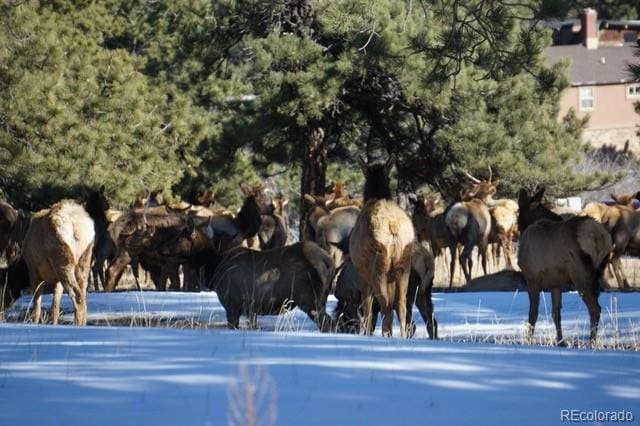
373, 255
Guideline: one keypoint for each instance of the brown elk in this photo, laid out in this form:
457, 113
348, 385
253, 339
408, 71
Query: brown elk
148, 199
380, 247
251, 283
430, 225
419, 293
554, 251
57, 250
339, 197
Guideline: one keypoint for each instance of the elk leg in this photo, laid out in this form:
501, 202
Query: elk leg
534, 302
508, 251
253, 321
385, 300
78, 297
556, 297
366, 309
115, 270
424, 303
401, 282
620, 242
591, 300
482, 248
36, 310
466, 261
233, 317
452, 266
174, 277
54, 312
412, 298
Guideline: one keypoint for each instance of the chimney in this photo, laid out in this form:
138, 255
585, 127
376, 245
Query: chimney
590, 28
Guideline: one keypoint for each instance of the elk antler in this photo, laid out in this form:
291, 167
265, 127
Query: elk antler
490, 173
473, 179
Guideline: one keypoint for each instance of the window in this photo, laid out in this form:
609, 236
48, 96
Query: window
586, 99
633, 90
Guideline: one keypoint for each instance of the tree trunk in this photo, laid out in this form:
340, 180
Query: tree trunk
314, 168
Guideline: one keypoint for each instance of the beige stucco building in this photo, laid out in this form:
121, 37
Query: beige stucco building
601, 85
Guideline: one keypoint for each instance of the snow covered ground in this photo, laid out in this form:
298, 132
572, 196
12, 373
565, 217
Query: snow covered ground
291, 374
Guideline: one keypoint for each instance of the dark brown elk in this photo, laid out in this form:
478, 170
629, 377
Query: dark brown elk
275, 229
554, 252
251, 283
13, 227
97, 206
469, 224
13, 280
57, 250
8, 219
347, 315
380, 247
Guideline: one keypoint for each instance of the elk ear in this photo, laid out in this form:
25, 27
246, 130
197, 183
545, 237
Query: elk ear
362, 163
246, 189
390, 162
285, 201
523, 197
310, 199
539, 194
614, 198
102, 190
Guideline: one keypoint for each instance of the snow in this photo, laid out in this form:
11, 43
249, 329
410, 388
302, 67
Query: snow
297, 375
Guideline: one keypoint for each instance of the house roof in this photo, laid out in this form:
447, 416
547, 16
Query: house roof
588, 66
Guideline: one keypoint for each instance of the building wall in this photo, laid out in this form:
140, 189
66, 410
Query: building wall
613, 120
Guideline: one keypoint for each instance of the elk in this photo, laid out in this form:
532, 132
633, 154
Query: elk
380, 247
57, 249
252, 283
623, 223
554, 251
419, 293
430, 225
8, 219
274, 229
13, 279
503, 212
147, 234
97, 206
469, 224
337, 196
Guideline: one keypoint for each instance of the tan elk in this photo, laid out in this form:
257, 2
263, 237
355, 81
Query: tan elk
57, 250
380, 248
554, 252
623, 223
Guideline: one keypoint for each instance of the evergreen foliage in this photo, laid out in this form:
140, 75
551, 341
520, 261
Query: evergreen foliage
137, 94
